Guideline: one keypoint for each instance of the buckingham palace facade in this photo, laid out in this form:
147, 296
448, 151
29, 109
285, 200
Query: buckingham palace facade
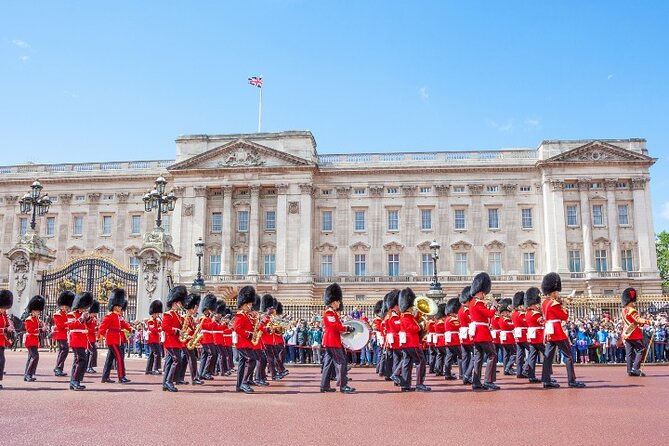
274, 213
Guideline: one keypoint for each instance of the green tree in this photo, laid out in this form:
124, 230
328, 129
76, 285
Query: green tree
662, 248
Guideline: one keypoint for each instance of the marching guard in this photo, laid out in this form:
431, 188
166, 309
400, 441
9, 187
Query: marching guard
154, 330
393, 323
6, 302
188, 349
77, 325
33, 325
505, 336
208, 356
112, 329
466, 342
479, 329
171, 326
535, 331
59, 335
244, 330
377, 327
520, 334
632, 333
410, 334
335, 356
451, 337
92, 350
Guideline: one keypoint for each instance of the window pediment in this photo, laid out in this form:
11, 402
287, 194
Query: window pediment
461, 245
529, 244
327, 248
494, 245
393, 246
360, 246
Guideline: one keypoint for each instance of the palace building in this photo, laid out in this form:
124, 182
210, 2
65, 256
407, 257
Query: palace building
274, 213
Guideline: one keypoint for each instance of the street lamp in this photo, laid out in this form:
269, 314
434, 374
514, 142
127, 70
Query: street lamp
35, 203
435, 286
198, 283
157, 199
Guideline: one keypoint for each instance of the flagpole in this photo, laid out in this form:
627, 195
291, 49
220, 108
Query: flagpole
260, 110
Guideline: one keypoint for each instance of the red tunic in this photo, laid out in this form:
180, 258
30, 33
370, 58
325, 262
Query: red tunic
207, 330
451, 330
464, 318
171, 324
59, 326
494, 326
431, 340
217, 332
505, 330
554, 315
480, 320
92, 326
631, 316
243, 327
268, 337
332, 329
535, 327
393, 324
227, 335
439, 333
112, 327
153, 329
78, 330
519, 326
4, 323
31, 326
409, 327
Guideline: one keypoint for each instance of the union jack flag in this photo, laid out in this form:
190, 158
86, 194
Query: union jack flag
256, 81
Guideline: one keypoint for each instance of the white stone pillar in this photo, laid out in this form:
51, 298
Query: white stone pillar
226, 232
550, 226
281, 229
561, 263
642, 232
651, 228
586, 224
612, 223
156, 261
254, 225
199, 223
27, 260
304, 262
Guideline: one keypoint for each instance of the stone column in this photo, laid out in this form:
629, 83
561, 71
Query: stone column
612, 223
343, 227
254, 225
376, 228
559, 262
642, 232
198, 226
650, 229
477, 228
586, 224
156, 262
28, 259
442, 227
281, 229
409, 227
304, 261
93, 222
122, 223
178, 220
226, 232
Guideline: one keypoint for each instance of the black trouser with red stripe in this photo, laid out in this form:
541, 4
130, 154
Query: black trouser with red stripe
532, 359
634, 352
153, 359
221, 359
261, 368
272, 359
33, 360
92, 355
522, 350
547, 368
508, 356
453, 355
411, 356
334, 360
439, 359
482, 349
63, 351
247, 360
191, 359
172, 365
206, 359
114, 353
78, 365
2, 362
466, 363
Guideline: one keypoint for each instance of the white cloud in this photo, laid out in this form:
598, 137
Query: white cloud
20, 43
609, 77
533, 122
423, 93
665, 210
506, 127
24, 58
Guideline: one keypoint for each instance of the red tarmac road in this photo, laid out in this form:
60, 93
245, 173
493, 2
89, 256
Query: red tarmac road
613, 409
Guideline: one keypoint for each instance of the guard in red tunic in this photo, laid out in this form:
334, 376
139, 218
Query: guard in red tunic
494, 333
6, 302
77, 326
228, 333
92, 351
632, 333
438, 340
334, 358
217, 334
429, 345
112, 328
244, 329
394, 357
377, 327
452, 337
505, 336
520, 334
33, 326
258, 376
59, 335
208, 355
171, 327
479, 330
268, 310
280, 344
466, 343
412, 353
153, 334
556, 339
191, 306
535, 331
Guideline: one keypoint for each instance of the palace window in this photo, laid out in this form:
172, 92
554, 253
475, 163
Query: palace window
461, 268
459, 189
50, 226
326, 265
623, 215
393, 220
460, 219
243, 221
495, 263
526, 188
526, 218
216, 222
597, 215
601, 261
269, 266
359, 220
392, 191
135, 224
528, 263
360, 264
270, 221
493, 218
215, 264
134, 263
626, 260
242, 265
572, 216
393, 264
78, 225
426, 264
426, 219
327, 221
575, 261
492, 189
23, 225
425, 189
106, 225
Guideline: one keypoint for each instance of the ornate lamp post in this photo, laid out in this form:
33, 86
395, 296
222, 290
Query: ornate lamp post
157, 199
435, 287
35, 203
198, 283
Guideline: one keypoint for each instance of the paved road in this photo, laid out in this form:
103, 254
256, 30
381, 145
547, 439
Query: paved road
612, 410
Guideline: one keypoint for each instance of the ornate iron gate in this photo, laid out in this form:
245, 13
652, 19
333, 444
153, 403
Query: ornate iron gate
96, 274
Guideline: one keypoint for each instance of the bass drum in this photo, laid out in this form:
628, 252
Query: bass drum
358, 338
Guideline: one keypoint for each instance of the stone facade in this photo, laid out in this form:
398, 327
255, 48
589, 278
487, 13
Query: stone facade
276, 214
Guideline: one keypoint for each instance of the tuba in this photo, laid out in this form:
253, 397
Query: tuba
426, 307
196, 337
183, 336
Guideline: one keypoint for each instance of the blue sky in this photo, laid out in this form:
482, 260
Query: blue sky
85, 81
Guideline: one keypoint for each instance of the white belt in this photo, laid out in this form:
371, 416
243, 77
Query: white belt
503, 335
494, 333
463, 332
472, 327
78, 331
518, 331
532, 332
549, 327
448, 336
206, 331
217, 332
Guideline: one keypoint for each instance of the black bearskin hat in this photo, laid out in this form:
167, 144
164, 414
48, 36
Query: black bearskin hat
407, 296
465, 295
116, 299
333, 293
36, 303
65, 298
629, 295
453, 306
247, 295
208, 303
95, 307
505, 305
6, 299
156, 307
550, 283
267, 302
518, 299
221, 307
532, 296
384, 309
481, 283
177, 294
256, 303
279, 308
82, 300
441, 311
377, 307
192, 301
392, 299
